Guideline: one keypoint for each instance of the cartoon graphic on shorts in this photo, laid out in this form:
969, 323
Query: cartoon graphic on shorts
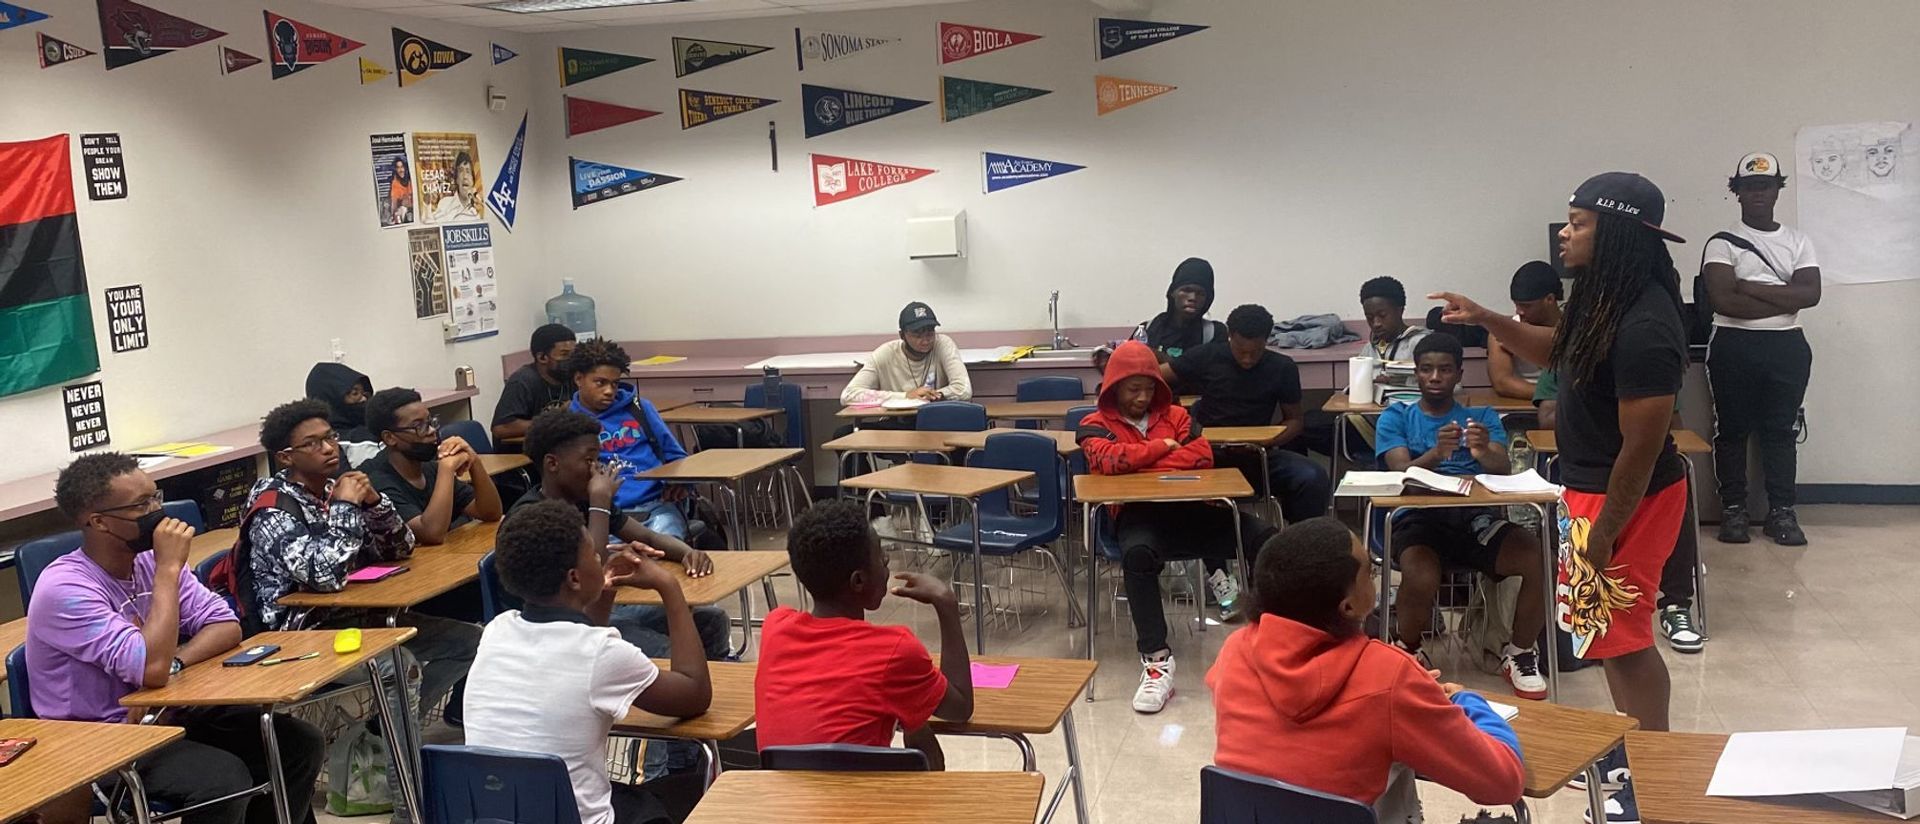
1587, 599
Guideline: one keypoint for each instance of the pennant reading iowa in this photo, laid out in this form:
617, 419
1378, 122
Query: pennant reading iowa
297, 46
502, 54
828, 46
1004, 171
1116, 93
1118, 36
830, 110
130, 32
419, 58
843, 178
46, 326
233, 60
585, 115
959, 42
698, 108
371, 72
595, 182
11, 15
960, 97
691, 55
581, 65
54, 51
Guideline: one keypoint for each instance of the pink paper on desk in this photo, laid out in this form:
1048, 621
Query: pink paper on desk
993, 676
377, 572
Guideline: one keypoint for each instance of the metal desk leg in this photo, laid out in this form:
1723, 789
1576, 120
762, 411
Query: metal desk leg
1699, 555
711, 750
979, 583
1073, 764
1093, 575
1596, 798
276, 774
400, 733
1550, 560
1386, 562
137, 795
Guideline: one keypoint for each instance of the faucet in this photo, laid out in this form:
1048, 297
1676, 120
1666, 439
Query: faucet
1060, 341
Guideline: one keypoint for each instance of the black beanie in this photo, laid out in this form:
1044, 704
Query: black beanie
1192, 272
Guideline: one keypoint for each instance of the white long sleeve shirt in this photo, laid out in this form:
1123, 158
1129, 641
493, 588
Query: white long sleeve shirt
888, 373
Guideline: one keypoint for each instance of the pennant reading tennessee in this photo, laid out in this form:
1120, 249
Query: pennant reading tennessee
582, 65
843, 178
1118, 36
419, 58
46, 325
698, 108
297, 46
585, 115
1116, 93
690, 55
54, 51
960, 97
595, 182
959, 42
130, 32
830, 110
11, 15
1004, 171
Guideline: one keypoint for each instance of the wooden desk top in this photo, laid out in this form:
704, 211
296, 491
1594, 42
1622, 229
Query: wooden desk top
12, 634
1686, 440
431, 571
1148, 486
207, 543
978, 440
722, 464
1042, 691
1670, 775
1338, 405
470, 538
1502, 404
1249, 435
730, 713
1032, 410
770, 797
733, 415
496, 464
934, 479
875, 412
68, 755
733, 570
1559, 742
1480, 496
209, 684
890, 440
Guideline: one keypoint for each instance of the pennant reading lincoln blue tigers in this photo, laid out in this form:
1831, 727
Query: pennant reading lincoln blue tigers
130, 32
830, 110
296, 46
46, 325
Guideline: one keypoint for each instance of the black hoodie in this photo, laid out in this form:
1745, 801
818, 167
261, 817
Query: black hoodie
1165, 333
329, 382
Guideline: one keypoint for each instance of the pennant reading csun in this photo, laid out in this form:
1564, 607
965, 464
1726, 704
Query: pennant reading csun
46, 325
830, 110
419, 58
690, 55
1118, 36
582, 65
296, 46
54, 51
595, 182
844, 178
1004, 171
130, 32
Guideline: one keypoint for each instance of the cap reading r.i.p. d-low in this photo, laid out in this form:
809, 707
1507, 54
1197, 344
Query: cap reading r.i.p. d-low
1628, 195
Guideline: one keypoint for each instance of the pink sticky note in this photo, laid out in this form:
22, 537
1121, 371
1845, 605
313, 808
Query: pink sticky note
993, 676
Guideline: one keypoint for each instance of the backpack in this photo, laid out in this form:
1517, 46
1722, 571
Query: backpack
232, 576
1700, 326
704, 524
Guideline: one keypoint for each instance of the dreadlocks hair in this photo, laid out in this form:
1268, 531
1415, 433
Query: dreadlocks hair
595, 353
1628, 259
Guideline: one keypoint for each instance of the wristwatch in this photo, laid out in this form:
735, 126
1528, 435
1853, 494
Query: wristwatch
178, 665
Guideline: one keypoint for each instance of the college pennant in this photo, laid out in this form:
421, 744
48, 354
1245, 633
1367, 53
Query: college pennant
371, 72
1116, 93
296, 46
1005, 171
54, 51
690, 55
12, 15
585, 115
828, 46
130, 32
419, 58
698, 108
502, 54
830, 110
581, 65
233, 60
959, 42
595, 182
844, 178
960, 97
1118, 36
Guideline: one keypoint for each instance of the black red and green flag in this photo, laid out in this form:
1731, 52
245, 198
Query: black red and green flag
46, 323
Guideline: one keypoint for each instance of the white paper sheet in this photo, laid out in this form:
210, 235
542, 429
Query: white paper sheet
1508, 712
1808, 761
985, 355
818, 360
1859, 194
1528, 481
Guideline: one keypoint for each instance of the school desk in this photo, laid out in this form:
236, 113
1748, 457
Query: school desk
1559, 742
859, 411
1040, 699
211, 684
795, 797
1671, 771
430, 572
12, 634
1032, 410
1064, 442
958, 482
1338, 405
1227, 486
1255, 439
494, 464
735, 417
68, 755
728, 715
895, 442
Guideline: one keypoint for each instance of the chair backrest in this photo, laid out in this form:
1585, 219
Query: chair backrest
1077, 466
1228, 797
33, 557
17, 689
494, 597
792, 400
187, 512
462, 785
951, 416
1049, 388
473, 432
1024, 452
842, 758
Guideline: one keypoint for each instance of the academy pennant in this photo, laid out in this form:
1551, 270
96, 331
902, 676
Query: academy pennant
698, 108
1116, 93
960, 97
130, 32
1005, 171
296, 46
585, 115
419, 58
502, 54
503, 200
843, 178
595, 182
11, 16
371, 72
46, 319
54, 51
581, 65
828, 46
690, 55
1118, 36
959, 42
830, 110
233, 60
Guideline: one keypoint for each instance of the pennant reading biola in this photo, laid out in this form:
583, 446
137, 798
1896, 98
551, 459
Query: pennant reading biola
698, 108
843, 178
830, 110
54, 51
595, 182
130, 32
690, 55
45, 319
585, 115
959, 42
582, 65
960, 97
420, 58
296, 46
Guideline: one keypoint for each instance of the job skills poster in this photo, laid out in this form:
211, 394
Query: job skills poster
392, 180
470, 281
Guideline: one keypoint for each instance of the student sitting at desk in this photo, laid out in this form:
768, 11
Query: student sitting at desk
1384, 302
923, 365
552, 677
1440, 434
1138, 428
1303, 696
1536, 293
830, 677
420, 473
1184, 324
536, 387
345, 392
125, 613
631, 431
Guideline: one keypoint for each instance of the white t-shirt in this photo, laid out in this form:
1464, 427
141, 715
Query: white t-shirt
1787, 248
555, 687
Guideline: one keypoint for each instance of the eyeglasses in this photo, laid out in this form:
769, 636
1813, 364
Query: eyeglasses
315, 444
150, 502
426, 427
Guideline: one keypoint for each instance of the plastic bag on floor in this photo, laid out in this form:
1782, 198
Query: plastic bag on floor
357, 774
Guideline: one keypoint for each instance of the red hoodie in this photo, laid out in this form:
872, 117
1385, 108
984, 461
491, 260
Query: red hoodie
1112, 444
1293, 703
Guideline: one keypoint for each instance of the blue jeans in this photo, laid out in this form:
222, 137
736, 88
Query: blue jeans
1303, 486
646, 627
661, 516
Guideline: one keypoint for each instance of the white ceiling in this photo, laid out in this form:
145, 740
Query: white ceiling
466, 12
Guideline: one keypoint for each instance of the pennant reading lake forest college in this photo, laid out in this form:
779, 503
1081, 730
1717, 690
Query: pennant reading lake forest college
296, 46
420, 58
582, 65
960, 97
843, 178
1118, 36
698, 108
130, 32
958, 42
46, 324
1005, 171
691, 55
594, 182
830, 110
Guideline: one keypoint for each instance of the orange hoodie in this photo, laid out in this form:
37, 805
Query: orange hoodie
1114, 446
1293, 703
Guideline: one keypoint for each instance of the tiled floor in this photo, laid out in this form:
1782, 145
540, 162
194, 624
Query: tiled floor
1820, 636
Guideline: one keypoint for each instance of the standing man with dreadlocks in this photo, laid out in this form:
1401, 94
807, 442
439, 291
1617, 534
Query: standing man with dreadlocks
1620, 353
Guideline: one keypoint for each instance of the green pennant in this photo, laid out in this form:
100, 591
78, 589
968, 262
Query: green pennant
691, 55
581, 65
960, 97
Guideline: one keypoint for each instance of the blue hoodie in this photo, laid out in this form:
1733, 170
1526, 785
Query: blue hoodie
631, 430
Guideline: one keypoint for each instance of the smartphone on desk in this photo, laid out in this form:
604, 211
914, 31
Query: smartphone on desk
11, 748
251, 655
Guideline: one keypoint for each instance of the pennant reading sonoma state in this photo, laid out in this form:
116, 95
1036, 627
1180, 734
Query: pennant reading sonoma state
690, 55
960, 97
297, 46
595, 182
581, 65
843, 178
46, 324
1118, 36
419, 58
130, 32
830, 110
698, 108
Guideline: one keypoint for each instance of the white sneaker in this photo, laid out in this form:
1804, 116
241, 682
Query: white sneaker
1156, 683
1522, 669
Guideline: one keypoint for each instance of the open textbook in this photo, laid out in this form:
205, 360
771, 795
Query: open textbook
1414, 480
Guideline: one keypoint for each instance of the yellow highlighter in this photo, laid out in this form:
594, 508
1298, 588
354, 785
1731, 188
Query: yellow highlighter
346, 640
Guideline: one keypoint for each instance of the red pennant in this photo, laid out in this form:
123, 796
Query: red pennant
844, 178
959, 42
233, 60
592, 115
295, 46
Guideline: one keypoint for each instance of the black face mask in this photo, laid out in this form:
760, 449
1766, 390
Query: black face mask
421, 451
355, 414
146, 524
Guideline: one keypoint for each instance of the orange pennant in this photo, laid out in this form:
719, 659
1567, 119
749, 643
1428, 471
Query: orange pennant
1115, 93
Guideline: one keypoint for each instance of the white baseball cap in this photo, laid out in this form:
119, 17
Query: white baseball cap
1759, 164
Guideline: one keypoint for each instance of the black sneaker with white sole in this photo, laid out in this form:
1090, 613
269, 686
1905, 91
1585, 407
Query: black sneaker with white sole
1614, 773
1622, 808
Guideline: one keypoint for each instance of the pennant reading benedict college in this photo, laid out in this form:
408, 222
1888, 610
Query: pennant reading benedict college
504, 199
581, 65
502, 54
959, 42
691, 55
1004, 171
960, 97
419, 58
296, 46
843, 178
11, 16
1118, 36
595, 182
54, 51
828, 46
830, 110
371, 72
698, 108
233, 60
46, 325
1116, 93
130, 32
585, 115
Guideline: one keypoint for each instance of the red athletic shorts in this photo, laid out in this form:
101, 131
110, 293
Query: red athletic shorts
1612, 615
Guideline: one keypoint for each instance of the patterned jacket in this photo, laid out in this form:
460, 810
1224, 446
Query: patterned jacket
315, 549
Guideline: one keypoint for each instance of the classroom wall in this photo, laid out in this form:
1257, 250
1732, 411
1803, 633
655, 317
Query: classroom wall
250, 219
1311, 145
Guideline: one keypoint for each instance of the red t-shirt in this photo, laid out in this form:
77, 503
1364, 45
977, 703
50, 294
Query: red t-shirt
840, 681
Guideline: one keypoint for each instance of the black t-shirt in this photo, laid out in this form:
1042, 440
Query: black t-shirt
614, 522
1231, 396
410, 500
526, 394
1649, 358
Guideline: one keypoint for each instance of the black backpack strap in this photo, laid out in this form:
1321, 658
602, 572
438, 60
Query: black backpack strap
1739, 242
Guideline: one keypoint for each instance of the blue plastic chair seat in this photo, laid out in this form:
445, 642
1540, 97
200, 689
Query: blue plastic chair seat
1228, 797
999, 535
461, 785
